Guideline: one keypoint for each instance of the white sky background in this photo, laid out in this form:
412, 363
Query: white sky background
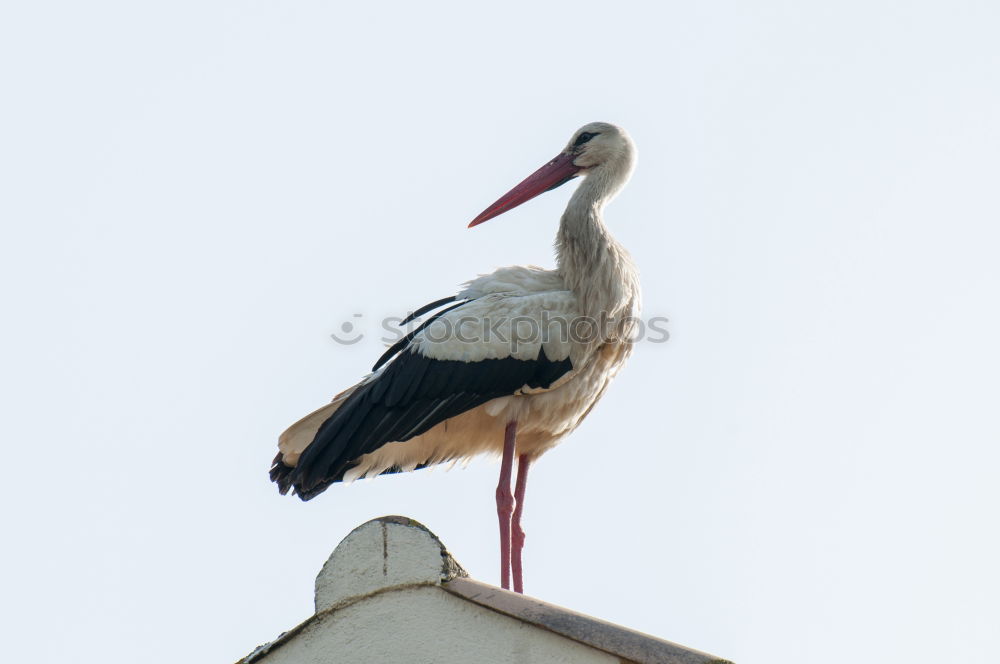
196, 194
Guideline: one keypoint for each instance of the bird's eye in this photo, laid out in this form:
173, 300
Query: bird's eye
583, 138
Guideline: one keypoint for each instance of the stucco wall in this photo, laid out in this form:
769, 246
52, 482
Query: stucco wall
425, 624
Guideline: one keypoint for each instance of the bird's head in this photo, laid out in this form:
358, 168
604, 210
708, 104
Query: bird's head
598, 148
600, 144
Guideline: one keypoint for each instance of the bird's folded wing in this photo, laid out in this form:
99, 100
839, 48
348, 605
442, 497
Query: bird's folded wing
498, 345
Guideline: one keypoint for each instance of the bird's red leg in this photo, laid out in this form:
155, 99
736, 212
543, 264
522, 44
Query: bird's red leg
505, 502
517, 533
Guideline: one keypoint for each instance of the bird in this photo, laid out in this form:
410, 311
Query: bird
508, 366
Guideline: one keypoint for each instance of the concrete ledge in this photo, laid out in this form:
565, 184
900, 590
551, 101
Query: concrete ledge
388, 552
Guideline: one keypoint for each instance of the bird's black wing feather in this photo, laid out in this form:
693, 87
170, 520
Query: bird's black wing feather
413, 394
428, 307
402, 343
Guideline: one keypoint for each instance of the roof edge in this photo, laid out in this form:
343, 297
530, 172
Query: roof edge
631, 645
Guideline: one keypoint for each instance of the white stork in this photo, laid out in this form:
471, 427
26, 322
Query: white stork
510, 366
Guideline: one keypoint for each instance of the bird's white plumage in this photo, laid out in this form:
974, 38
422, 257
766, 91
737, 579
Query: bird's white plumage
514, 279
499, 325
528, 314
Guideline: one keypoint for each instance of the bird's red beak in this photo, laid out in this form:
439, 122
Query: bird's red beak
558, 171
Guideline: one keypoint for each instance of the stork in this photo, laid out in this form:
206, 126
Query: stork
509, 365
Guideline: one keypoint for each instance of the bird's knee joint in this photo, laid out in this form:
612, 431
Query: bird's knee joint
505, 501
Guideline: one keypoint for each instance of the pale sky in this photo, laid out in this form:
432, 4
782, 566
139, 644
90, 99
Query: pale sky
196, 194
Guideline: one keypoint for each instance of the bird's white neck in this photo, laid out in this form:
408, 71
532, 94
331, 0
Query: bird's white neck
593, 264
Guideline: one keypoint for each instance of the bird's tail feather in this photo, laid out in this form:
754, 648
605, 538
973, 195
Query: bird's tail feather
296, 438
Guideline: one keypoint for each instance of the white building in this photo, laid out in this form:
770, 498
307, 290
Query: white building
390, 592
